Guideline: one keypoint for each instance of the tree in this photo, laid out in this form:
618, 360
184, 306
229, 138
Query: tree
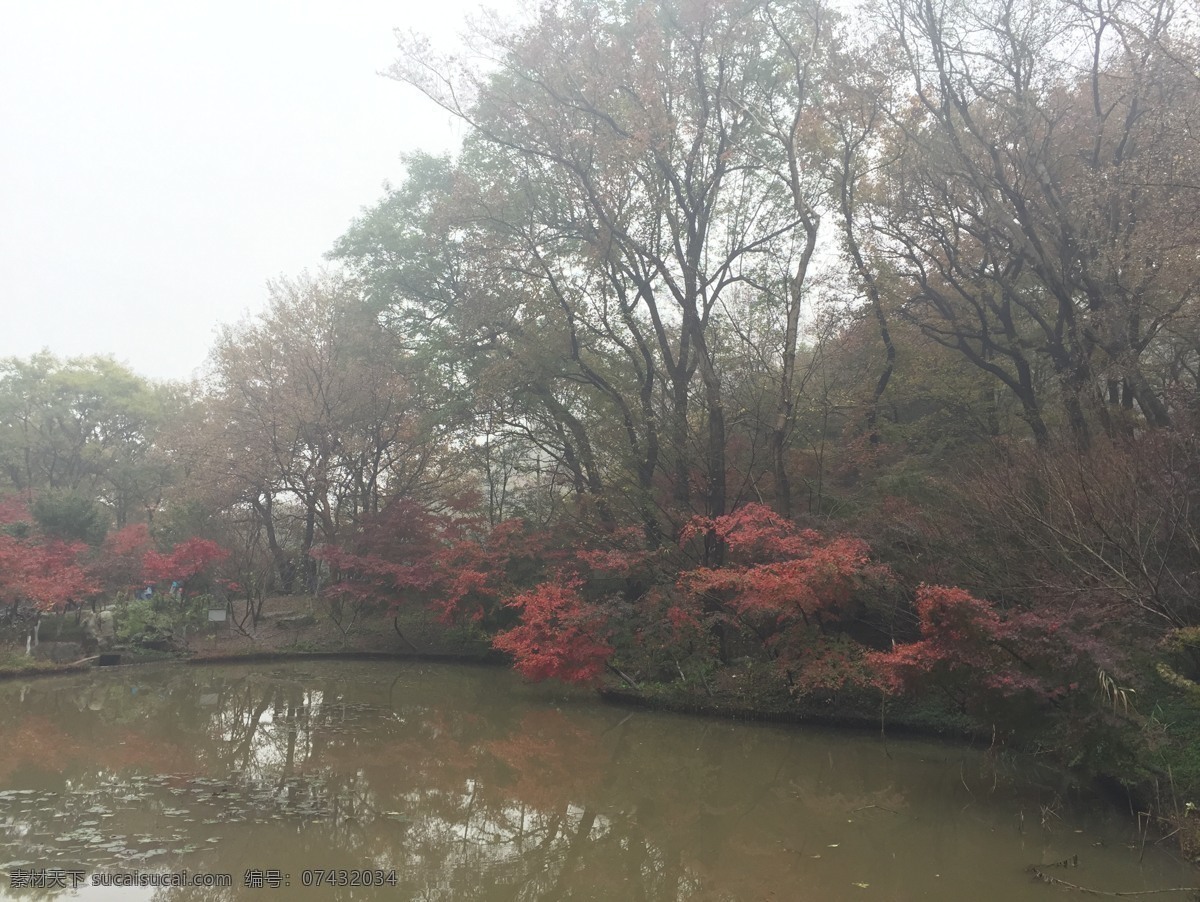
1029, 189
310, 421
560, 635
70, 516
446, 560
632, 176
46, 573
789, 590
117, 565
84, 428
962, 643
183, 563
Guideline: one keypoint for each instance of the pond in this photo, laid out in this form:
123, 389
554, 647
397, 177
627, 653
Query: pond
409, 780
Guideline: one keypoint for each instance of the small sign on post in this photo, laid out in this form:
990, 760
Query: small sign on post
217, 615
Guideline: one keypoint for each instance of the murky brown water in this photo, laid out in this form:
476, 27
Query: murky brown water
469, 785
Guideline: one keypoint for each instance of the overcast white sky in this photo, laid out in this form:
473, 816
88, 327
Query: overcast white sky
159, 161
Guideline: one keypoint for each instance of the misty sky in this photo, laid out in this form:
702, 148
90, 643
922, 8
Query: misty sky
160, 161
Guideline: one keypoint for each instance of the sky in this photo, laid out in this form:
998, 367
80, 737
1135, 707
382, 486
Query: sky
160, 161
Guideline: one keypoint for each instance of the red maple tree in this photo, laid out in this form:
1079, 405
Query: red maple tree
969, 647
785, 588
445, 560
185, 561
560, 636
117, 565
47, 574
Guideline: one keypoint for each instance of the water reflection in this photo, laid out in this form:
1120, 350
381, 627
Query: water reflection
471, 786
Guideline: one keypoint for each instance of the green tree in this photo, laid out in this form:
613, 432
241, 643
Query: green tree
70, 516
86, 427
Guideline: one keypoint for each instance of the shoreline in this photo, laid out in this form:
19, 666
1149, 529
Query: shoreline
901, 717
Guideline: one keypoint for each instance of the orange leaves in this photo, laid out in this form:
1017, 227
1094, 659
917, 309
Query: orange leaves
956, 615
818, 583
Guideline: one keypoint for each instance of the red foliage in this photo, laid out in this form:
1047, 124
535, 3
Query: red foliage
667, 630
14, 510
624, 555
815, 585
117, 564
442, 559
683, 619
783, 587
46, 573
379, 568
753, 532
560, 636
549, 755
963, 639
185, 561
788, 572
132, 540
829, 663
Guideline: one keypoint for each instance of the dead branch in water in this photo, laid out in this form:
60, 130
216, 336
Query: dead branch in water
1039, 874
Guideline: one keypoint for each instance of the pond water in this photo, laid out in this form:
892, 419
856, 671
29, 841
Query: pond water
464, 783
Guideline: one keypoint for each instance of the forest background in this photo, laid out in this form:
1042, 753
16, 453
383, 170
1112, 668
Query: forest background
838, 358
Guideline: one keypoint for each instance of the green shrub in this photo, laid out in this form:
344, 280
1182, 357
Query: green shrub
161, 620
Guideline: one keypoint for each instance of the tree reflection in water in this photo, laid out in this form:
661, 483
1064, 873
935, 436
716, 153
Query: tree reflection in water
470, 785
